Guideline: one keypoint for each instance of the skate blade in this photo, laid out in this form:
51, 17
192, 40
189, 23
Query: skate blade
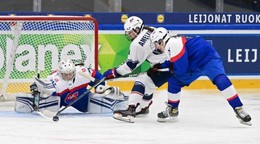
142, 115
171, 119
129, 119
245, 123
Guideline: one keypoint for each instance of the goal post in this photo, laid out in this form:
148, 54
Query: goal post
32, 44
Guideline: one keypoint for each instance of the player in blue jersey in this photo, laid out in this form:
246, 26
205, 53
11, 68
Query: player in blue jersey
192, 57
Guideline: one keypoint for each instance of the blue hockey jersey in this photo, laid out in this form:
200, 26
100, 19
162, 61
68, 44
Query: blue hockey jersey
189, 54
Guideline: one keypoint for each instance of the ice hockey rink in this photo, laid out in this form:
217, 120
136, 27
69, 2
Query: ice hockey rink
205, 118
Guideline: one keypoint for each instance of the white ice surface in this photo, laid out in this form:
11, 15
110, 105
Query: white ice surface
205, 118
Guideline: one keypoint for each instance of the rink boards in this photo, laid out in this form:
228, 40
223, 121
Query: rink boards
237, 43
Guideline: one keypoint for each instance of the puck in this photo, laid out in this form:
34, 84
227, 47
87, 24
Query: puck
55, 118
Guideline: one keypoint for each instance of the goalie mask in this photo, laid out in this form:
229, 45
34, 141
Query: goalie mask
67, 70
158, 38
133, 26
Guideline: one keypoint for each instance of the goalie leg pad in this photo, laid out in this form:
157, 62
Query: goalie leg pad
24, 103
51, 104
105, 105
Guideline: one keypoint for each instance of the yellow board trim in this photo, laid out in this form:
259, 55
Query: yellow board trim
198, 84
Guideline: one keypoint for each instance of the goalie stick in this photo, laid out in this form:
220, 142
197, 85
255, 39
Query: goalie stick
116, 91
97, 82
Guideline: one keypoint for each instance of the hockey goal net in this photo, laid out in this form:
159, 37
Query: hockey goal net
35, 44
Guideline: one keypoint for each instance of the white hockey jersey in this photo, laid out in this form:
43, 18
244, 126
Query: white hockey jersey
139, 51
70, 90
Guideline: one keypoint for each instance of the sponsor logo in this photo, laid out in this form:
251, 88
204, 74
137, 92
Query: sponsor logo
71, 97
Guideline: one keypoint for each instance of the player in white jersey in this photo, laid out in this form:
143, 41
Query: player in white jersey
67, 84
145, 84
192, 57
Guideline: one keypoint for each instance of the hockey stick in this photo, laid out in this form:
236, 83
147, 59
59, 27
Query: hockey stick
56, 118
130, 75
97, 82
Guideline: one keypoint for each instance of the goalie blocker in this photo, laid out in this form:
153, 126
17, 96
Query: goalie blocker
105, 100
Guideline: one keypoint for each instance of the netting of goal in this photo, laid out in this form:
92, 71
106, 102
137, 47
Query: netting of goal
35, 44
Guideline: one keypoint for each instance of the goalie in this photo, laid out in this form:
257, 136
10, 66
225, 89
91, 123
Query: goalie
64, 86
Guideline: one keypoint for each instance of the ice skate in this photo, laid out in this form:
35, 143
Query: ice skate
170, 114
144, 111
127, 115
243, 117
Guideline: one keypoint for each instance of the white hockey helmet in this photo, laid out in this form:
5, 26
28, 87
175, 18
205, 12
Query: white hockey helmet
67, 69
158, 35
133, 25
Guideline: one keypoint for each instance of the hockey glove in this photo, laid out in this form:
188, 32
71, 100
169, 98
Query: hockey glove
168, 64
111, 73
36, 96
153, 71
33, 87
